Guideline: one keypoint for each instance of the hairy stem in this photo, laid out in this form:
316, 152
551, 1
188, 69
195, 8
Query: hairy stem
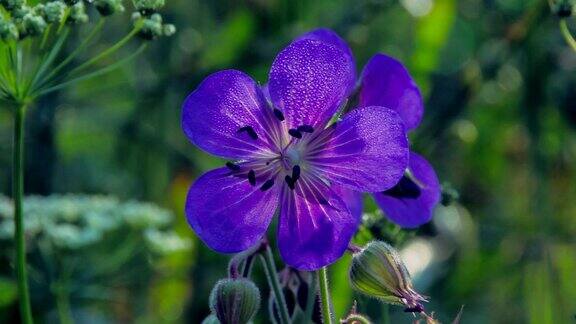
567, 35
18, 193
311, 299
325, 296
270, 270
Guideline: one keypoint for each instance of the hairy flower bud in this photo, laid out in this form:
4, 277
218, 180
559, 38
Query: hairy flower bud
108, 7
78, 14
71, 2
147, 7
211, 319
378, 271
235, 300
54, 11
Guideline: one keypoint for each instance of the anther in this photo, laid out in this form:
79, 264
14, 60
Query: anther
267, 185
250, 131
295, 173
289, 182
278, 114
252, 177
294, 133
232, 166
306, 129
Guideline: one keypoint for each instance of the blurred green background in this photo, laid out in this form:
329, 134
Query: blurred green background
500, 89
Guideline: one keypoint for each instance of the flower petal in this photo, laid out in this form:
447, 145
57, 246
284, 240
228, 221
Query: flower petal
353, 199
328, 36
309, 81
223, 103
386, 82
367, 151
410, 210
313, 233
228, 213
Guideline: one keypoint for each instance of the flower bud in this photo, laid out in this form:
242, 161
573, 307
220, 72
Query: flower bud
168, 29
8, 31
234, 300
147, 7
33, 25
11, 4
563, 8
54, 11
378, 271
71, 2
108, 7
151, 28
211, 319
78, 14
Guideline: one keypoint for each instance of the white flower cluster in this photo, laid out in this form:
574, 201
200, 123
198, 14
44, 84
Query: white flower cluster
78, 221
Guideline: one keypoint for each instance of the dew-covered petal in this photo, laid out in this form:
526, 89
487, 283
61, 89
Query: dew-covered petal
405, 208
309, 81
367, 151
227, 212
328, 36
386, 82
214, 115
314, 228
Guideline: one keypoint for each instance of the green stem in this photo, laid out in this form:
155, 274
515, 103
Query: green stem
385, 314
311, 299
566, 33
109, 51
85, 42
325, 296
18, 187
63, 305
94, 74
270, 270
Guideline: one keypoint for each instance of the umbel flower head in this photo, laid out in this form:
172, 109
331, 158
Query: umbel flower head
287, 156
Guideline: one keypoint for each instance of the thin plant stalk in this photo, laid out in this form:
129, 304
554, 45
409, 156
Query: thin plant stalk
270, 270
311, 299
18, 193
325, 296
567, 35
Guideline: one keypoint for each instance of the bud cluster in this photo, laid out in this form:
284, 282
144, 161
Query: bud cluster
22, 20
150, 21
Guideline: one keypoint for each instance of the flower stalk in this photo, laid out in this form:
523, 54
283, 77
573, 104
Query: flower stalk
270, 270
18, 194
325, 296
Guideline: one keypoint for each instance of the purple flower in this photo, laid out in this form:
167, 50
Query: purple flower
385, 82
286, 156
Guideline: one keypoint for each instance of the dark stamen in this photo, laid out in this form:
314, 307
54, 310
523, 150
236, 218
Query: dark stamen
294, 133
250, 131
252, 177
322, 201
306, 129
296, 172
289, 182
232, 166
278, 114
404, 189
267, 185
